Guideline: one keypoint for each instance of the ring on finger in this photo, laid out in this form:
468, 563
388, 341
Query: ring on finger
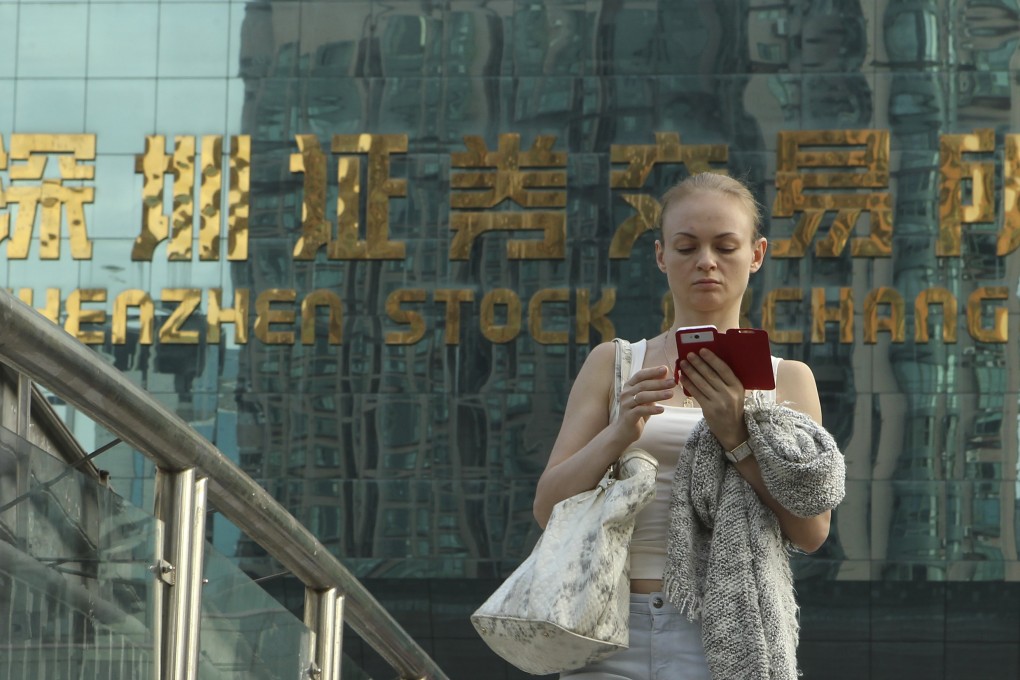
634, 398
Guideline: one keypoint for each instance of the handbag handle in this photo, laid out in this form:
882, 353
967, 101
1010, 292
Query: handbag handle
621, 373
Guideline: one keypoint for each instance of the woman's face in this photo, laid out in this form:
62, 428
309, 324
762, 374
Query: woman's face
707, 251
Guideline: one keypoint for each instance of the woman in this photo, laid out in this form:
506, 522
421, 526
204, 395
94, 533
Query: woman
708, 247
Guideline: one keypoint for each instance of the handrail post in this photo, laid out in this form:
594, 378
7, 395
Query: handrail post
23, 474
338, 636
180, 504
24, 421
197, 580
324, 615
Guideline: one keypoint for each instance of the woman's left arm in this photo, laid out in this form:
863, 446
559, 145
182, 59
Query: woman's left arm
795, 387
722, 393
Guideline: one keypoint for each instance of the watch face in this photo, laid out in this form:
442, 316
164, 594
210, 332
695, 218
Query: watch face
740, 453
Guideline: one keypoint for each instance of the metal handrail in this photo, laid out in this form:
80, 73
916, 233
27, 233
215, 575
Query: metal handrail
41, 350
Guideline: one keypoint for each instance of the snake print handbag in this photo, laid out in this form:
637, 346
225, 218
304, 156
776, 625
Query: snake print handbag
567, 604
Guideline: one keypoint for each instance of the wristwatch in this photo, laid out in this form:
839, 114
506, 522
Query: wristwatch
740, 453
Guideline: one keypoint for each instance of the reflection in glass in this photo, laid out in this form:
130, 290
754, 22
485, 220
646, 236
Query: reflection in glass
76, 592
245, 633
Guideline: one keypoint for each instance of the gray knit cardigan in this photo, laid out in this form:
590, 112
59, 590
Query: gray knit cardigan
726, 558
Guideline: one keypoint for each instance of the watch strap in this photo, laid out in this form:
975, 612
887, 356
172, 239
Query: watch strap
741, 452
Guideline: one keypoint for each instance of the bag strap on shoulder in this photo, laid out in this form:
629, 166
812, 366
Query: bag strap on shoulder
621, 372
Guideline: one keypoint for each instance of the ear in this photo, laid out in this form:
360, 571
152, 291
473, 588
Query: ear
758, 254
660, 254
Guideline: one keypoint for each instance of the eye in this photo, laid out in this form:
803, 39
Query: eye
686, 250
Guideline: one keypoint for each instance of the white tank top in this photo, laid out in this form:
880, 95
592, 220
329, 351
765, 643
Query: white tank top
664, 437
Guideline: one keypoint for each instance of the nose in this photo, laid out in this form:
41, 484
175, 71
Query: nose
705, 261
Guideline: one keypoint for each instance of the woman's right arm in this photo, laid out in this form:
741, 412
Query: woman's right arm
588, 443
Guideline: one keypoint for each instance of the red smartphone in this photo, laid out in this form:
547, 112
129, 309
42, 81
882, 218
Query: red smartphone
745, 350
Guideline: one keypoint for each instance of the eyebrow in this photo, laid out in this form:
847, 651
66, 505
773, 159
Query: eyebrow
716, 237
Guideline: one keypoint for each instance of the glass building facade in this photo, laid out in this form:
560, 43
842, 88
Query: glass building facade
365, 247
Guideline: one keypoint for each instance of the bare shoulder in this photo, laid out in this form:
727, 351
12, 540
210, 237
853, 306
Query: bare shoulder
794, 373
587, 411
604, 351
796, 388
597, 372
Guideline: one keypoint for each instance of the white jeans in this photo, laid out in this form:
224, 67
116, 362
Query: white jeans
664, 645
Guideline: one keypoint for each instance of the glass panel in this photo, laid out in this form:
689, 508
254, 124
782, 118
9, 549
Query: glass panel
192, 40
123, 41
6, 103
350, 670
246, 634
76, 592
51, 40
125, 110
191, 106
8, 39
130, 474
54, 104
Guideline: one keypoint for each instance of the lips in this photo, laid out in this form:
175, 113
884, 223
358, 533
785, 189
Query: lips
706, 282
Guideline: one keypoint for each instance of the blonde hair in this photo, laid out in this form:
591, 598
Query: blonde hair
724, 184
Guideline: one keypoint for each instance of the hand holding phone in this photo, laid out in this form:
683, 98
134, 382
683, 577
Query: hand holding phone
744, 350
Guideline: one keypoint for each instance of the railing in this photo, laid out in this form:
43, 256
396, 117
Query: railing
189, 468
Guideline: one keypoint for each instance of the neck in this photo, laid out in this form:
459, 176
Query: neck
722, 321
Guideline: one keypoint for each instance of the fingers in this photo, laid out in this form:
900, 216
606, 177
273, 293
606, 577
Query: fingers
694, 375
717, 389
705, 371
646, 402
646, 388
719, 393
721, 368
650, 373
656, 379
643, 408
